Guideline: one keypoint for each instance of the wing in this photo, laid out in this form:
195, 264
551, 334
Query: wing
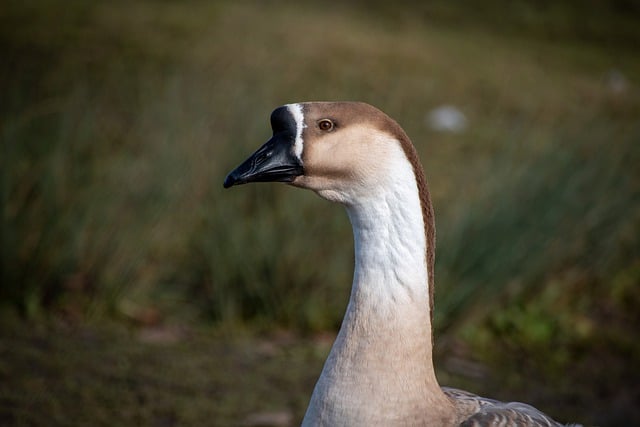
482, 412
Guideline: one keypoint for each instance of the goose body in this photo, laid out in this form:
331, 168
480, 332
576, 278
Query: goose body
380, 368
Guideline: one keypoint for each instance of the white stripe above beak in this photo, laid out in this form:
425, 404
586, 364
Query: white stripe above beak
298, 116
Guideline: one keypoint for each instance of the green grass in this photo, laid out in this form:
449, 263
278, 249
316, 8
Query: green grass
115, 152
570, 207
119, 121
106, 375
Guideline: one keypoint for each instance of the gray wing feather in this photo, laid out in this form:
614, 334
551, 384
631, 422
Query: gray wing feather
478, 411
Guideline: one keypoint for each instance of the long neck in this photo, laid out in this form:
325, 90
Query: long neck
388, 311
380, 369
390, 284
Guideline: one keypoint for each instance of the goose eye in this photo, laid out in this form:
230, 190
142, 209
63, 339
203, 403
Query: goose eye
325, 125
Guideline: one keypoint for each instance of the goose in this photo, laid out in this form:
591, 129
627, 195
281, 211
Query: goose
379, 371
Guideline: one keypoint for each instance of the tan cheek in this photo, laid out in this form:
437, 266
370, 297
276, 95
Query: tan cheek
314, 183
340, 159
331, 169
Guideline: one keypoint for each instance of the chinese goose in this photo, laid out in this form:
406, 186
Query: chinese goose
380, 369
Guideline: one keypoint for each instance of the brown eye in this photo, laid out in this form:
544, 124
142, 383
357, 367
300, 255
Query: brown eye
325, 125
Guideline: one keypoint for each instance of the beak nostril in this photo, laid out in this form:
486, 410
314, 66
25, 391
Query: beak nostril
262, 157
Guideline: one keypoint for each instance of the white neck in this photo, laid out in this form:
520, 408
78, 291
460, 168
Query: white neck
380, 369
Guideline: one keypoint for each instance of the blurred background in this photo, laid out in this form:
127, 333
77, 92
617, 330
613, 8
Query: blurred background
134, 290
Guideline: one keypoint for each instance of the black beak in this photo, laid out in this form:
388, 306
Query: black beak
275, 161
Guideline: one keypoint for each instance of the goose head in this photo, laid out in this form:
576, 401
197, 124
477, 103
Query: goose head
344, 151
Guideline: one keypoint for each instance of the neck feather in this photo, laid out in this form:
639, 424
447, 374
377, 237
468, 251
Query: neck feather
391, 271
380, 369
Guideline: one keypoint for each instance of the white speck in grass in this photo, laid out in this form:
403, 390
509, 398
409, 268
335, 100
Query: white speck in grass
446, 118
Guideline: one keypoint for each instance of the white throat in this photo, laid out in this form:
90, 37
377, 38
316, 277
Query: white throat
390, 251
380, 369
